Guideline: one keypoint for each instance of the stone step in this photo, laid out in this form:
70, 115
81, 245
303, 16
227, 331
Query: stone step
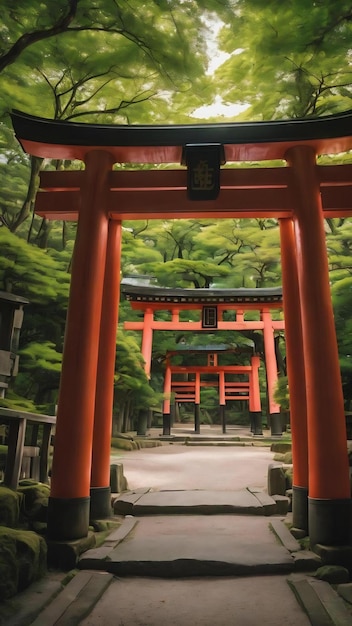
195, 547
76, 600
195, 502
321, 602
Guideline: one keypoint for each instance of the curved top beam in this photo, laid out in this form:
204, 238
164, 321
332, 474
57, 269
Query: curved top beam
163, 144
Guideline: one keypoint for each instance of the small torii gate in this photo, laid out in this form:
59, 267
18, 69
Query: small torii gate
212, 303
299, 195
229, 390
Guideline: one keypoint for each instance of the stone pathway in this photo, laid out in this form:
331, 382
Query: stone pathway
211, 557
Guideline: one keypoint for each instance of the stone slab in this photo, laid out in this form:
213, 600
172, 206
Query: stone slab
332, 603
283, 533
225, 444
306, 561
27, 604
75, 601
120, 533
322, 603
267, 502
345, 591
203, 555
283, 503
232, 601
193, 502
123, 505
310, 602
94, 558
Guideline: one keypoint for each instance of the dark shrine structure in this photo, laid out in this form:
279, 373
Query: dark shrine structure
212, 304
299, 194
11, 318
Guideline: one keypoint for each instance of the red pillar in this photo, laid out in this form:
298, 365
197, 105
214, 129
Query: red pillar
255, 409
68, 512
295, 373
329, 510
147, 340
166, 402
271, 372
175, 316
100, 492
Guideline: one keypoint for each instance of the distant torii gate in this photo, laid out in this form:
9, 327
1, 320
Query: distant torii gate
299, 195
229, 390
212, 303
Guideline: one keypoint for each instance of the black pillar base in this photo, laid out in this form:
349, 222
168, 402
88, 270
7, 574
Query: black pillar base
142, 422
100, 503
222, 418
197, 419
300, 508
276, 424
172, 414
68, 518
284, 422
166, 424
256, 422
330, 521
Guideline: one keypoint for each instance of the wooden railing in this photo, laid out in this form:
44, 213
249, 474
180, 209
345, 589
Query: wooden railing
18, 422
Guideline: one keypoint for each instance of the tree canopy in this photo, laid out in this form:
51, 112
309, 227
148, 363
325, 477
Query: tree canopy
132, 62
287, 60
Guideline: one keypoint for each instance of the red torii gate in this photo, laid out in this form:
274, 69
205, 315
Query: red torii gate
229, 390
213, 303
299, 195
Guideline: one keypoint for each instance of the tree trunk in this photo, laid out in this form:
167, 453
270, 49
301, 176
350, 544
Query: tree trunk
28, 205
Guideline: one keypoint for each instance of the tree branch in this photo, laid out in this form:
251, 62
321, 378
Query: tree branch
28, 39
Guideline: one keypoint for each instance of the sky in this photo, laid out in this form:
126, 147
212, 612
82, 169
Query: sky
218, 108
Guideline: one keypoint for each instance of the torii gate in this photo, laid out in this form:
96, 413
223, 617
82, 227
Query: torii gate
212, 303
229, 390
299, 195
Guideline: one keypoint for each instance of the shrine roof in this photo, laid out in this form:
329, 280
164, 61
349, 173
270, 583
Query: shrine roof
242, 141
152, 294
209, 348
6, 296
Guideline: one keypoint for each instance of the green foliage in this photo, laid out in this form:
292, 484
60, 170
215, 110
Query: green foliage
19, 273
281, 393
287, 59
40, 373
14, 401
132, 389
186, 273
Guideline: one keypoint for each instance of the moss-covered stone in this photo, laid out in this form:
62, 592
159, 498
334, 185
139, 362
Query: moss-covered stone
9, 567
283, 457
333, 574
280, 446
33, 493
22, 560
288, 457
149, 443
289, 477
129, 443
9, 507
123, 444
123, 436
